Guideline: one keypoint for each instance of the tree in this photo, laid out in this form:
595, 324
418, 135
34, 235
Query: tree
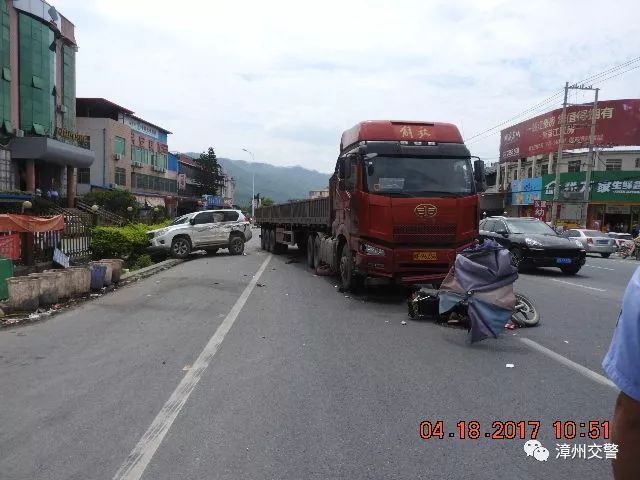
114, 201
266, 201
208, 174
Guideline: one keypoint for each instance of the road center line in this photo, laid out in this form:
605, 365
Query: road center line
601, 268
137, 461
578, 285
590, 374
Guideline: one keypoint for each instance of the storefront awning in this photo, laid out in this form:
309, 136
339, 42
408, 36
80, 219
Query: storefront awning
52, 151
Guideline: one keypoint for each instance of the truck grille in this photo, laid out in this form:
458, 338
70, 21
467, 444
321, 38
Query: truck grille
419, 233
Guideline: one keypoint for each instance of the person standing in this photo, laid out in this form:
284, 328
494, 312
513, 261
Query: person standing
622, 366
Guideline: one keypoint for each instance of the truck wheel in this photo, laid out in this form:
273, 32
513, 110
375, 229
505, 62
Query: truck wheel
263, 239
180, 247
349, 280
271, 242
281, 248
310, 251
316, 251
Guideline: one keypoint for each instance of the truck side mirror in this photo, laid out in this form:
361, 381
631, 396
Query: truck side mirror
479, 175
341, 169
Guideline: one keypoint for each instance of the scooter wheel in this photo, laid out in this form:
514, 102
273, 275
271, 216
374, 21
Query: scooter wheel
526, 314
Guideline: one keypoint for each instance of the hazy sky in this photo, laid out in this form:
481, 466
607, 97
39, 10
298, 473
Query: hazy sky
285, 78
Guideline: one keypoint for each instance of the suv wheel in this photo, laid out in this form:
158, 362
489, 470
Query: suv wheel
236, 245
180, 247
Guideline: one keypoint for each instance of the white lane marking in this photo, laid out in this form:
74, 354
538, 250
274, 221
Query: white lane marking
578, 285
137, 461
601, 268
590, 374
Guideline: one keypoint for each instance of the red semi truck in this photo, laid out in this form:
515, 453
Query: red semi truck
403, 201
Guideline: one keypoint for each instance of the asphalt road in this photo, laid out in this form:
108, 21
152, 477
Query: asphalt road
209, 371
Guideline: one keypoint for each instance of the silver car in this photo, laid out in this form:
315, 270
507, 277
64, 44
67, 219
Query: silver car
593, 241
207, 230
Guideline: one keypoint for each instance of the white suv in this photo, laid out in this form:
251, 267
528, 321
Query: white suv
207, 230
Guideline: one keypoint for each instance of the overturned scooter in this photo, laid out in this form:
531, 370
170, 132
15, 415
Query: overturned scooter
478, 294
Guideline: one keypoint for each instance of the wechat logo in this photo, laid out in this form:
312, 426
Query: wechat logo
533, 448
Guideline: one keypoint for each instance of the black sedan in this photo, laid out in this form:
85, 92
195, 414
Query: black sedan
534, 244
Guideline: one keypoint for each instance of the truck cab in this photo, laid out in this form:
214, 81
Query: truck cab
404, 198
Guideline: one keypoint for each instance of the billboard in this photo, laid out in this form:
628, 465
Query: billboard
606, 186
617, 123
526, 191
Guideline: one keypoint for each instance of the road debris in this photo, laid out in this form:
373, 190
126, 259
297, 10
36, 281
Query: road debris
292, 260
509, 365
566, 341
186, 368
403, 322
260, 284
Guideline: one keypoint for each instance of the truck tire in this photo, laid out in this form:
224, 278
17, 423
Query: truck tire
349, 280
310, 251
271, 242
180, 247
263, 238
316, 251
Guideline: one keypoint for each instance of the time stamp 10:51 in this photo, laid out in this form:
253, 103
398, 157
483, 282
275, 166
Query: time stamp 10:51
514, 429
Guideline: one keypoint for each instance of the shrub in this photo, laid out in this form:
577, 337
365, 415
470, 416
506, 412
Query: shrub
142, 261
128, 242
115, 201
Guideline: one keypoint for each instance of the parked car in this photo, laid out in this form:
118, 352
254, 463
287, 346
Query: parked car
593, 241
621, 239
207, 230
533, 243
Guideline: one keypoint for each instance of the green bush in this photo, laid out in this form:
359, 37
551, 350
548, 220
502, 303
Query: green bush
115, 201
142, 261
128, 242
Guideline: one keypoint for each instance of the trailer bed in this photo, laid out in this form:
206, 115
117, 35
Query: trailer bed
303, 213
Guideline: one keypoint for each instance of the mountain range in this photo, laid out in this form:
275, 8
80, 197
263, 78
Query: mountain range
278, 183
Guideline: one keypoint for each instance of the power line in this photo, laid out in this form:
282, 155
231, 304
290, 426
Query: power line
596, 77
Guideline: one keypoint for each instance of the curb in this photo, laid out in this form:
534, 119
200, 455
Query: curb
148, 271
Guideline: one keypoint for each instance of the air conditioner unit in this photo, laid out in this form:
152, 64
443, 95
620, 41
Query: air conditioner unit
19, 133
117, 156
137, 164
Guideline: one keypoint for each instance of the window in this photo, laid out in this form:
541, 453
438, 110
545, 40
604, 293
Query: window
69, 86
613, 164
119, 145
204, 217
530, 172
544, 169
5, 81
36, 75
231, 216
574, 165
84, 175
489, 225
218, 217
121, 177
515, 174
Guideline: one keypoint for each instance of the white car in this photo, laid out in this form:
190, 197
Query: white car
207, 230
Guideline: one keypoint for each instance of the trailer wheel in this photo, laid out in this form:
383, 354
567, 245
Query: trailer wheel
310, 250
263, 238
316, 251
271, 242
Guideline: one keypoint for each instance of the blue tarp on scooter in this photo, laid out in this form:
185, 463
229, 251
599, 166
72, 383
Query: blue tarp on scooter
483, 277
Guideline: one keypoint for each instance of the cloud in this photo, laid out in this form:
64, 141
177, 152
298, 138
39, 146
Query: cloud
285, 78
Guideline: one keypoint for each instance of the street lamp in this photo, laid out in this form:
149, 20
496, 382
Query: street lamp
253, 183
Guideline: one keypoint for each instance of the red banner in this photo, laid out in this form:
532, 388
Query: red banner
10, 246
617, 123
540, 208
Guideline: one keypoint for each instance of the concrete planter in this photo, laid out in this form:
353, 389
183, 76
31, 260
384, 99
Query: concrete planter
98, 272
65, 283
116, 265
108, 276
48, 287
80, 279
24, 293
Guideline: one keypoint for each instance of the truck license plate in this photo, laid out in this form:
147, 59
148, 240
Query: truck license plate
425, 256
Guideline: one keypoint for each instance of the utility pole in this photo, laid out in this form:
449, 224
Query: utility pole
253, 183
592, 139
556, 187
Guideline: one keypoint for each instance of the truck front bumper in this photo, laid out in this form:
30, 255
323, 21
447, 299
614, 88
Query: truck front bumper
409, 265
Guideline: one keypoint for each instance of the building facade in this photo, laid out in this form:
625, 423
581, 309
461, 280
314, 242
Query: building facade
130, 153
319, 193
37, 101
613, 195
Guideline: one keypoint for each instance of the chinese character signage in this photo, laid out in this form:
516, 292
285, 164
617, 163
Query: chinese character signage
526, 191
140, 126
72, 138
617, 123
605, 186
540, 208
182, 181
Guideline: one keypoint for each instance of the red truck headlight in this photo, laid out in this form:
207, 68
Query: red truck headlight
371, 250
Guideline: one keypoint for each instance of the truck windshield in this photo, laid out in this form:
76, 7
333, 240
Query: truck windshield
415, 176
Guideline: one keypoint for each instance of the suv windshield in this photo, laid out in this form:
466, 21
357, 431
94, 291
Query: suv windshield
180, 220
530, 226
414, 176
